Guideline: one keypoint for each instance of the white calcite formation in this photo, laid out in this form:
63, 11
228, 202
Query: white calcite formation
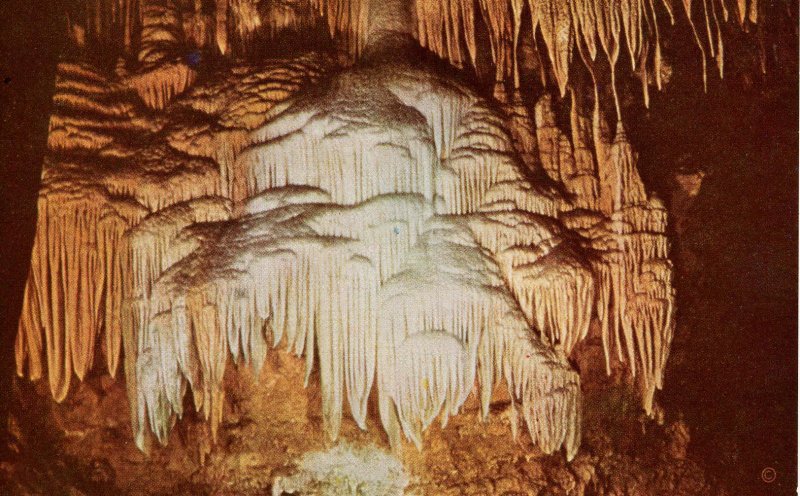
413, 241
343, 245
345, 470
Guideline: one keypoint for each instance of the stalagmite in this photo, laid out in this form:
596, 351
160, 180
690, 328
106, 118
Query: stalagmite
342, 468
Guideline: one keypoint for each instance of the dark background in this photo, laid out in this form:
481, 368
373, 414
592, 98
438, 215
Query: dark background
29, 44
732, 372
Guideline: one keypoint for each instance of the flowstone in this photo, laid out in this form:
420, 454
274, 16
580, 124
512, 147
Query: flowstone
398, 230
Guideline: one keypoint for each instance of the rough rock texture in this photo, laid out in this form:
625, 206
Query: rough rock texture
85, 446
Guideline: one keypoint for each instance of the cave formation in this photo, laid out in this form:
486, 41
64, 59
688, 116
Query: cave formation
287, 245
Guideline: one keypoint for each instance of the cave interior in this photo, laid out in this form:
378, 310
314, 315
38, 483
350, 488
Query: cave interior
399, 247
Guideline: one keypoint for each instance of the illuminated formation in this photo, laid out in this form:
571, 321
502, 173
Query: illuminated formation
413, 240
587, 28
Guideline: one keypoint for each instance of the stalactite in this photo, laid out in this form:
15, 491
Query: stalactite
555, 23
585, 18
74, 286
687, 7
477, 327
657, 58
221, 26
523, 132
582, 180
247, 18
158, 86
498, 17
347, 21
720, 46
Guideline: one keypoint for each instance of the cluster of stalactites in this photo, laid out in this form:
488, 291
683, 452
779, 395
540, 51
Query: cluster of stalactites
128, 24
338, 272
387, 214
157, 87
74, 288
448, 318
80, 273
347, 21
474, 169
81, 260
109, 22
309, 272
79, 268
360, 287
448, 28
624, 227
